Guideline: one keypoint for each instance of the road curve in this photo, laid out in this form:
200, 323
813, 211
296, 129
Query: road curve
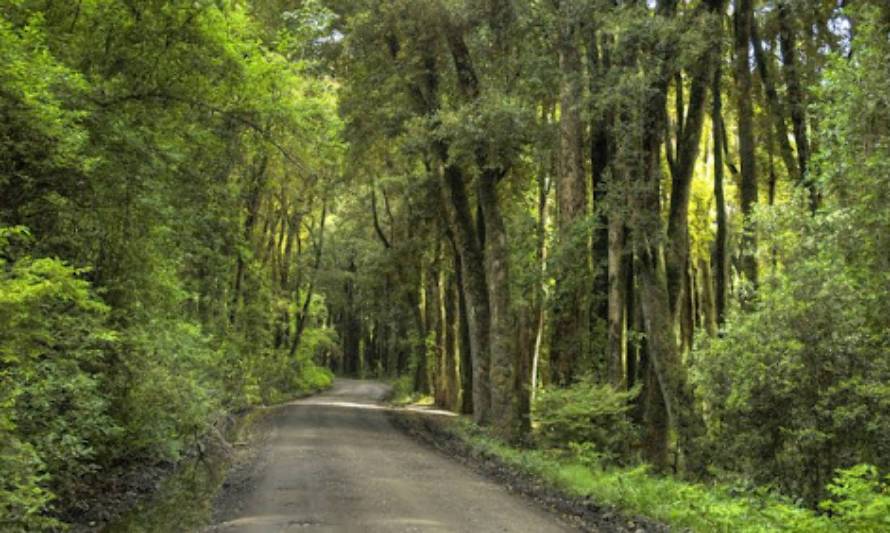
335, 463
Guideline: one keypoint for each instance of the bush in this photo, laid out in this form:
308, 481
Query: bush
586, 414
797, 388
403, 390
282, 376
861, 500
53, 417
23, 493
168, 397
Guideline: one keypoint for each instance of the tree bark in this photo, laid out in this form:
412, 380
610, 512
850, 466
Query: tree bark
598, 60
663, 356
569, 316
464, 342
689, 133
617, 262
721, 263
774, 107
796, 99
504, 406
748, 185
475, 289
450, 325
540, 301
681, 179
631, 321
493, 237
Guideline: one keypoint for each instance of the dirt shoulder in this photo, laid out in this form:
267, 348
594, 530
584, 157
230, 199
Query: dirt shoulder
438, 432
247, 461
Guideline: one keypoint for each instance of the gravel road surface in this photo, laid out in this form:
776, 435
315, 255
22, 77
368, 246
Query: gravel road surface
334, 462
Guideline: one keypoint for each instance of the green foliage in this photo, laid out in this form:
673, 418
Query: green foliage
168, 397
280, 375
403, 390
175, 163
138, 141
23, 496
635, 491
52, 410
584, 415
860, 499
796, 387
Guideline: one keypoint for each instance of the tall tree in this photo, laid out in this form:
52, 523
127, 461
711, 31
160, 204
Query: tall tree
571, 257
743, 20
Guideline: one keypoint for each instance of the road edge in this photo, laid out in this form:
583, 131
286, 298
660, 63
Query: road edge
436, 431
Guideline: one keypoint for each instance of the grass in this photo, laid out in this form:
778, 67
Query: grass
403, 393
635, 491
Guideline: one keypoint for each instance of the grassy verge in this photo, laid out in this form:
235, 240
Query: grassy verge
403, 393
635, 491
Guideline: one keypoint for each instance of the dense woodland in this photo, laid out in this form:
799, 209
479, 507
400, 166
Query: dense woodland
635, 231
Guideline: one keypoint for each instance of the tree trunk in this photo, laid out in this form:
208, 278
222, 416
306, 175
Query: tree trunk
748, 185
254, 195
351, 325
450, 334
598, 60
681, 178
632, 321
540, 301
464, 344
417, 301
504, 412
655, 420
659, 325
440, 323
774, 107
796, 99
475, 289
707, 306
721, 264
689, 133
569, 324
303, 315
617, 260
522, 376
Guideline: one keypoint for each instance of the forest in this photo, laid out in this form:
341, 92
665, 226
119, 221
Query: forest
650, 237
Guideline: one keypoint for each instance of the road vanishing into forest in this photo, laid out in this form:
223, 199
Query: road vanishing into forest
334, 462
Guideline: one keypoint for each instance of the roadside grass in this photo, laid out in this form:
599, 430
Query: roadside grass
636, 491
403, 393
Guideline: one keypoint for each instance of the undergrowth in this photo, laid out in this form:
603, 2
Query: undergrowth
403, 393
861, 500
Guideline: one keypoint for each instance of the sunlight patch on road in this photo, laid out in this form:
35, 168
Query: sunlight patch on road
324, 402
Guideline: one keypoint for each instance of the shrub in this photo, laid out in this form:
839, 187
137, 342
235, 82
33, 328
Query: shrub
586, 413
53, 418
860, 499
797, 388
168, 398
403, 390
23, 495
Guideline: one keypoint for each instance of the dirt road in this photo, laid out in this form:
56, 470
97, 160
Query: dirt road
335, 463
